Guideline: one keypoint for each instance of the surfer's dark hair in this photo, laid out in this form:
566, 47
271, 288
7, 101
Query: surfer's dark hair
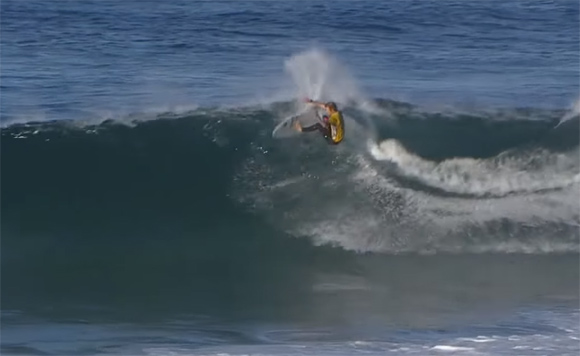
332, 105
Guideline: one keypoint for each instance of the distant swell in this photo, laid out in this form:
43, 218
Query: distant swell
426, 183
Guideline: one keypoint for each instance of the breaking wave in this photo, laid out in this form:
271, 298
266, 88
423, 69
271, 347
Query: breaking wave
404, 180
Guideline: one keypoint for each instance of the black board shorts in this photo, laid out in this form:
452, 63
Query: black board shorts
324, 130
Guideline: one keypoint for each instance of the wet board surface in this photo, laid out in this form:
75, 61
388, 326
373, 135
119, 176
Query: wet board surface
285, 127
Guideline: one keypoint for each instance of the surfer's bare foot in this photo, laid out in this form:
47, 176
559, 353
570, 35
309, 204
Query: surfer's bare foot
297, 126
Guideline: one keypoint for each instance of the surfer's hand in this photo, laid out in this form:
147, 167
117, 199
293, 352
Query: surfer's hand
308, 100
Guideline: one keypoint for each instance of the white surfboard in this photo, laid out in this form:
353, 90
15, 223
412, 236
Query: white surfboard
285, 127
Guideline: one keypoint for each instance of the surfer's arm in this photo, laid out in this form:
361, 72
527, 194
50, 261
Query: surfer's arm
317, 103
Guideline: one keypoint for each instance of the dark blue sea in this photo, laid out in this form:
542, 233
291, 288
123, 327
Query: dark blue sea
147, 209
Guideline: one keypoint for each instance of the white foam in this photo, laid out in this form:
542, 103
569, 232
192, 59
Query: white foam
435, 219
449, 348
499, 176
382, 216
478, 339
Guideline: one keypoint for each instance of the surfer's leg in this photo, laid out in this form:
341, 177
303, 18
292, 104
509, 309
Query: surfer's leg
314, 127
324, 130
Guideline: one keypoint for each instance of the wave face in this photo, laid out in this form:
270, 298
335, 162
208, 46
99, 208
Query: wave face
415, 182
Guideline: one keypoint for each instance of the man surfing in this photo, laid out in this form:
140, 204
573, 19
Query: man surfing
332, 125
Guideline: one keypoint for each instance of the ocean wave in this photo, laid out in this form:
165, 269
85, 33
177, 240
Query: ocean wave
428, 182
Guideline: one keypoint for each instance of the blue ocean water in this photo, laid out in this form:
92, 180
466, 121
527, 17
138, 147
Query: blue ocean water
147, 209
70, 59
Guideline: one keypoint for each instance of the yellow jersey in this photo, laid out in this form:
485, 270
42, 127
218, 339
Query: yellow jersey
336, 122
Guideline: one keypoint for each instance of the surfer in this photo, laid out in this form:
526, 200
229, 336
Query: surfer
332, 125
